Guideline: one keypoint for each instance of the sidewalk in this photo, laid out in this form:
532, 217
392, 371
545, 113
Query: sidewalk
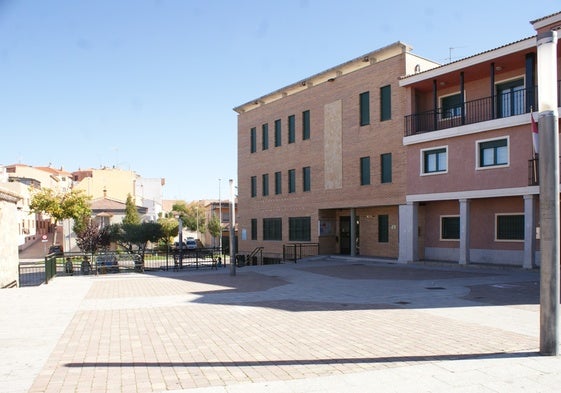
323, 325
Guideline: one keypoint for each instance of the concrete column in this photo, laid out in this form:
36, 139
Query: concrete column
408, 232
464, 232
353, 232
529, 233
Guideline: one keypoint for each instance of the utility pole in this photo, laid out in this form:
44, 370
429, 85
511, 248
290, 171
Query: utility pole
232, 229
549, 192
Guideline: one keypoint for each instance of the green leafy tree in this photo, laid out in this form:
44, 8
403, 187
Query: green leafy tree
214, 227
135, 237
131, 213
192, 215
170, 229
74, 204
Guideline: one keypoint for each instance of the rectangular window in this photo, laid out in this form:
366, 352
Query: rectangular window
493, 153
364, 171
386, 166
364, 103
265, 179
385, 103
265, 136
510, 227
291, 181
291, 129
306, 179
450, 228
278, 133
434, 160
383, 228
253, 138
278, 183
272, 228
306, 125
253, 186
299, 229
451, 106
254, 229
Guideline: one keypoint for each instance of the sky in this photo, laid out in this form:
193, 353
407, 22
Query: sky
150, 85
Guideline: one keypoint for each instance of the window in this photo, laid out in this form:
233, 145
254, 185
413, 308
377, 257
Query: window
511, 98
254, 229
253, 138
364, 171
434, 160
386, 165
291, 181
253, 186
265, 180
451, 106
265, 135
385, 103
306, 125
450, 228
383, 228
272, 229
299, 229
278, 183
306, 179
278, 133
510, 227
291, 129
364, 103
493, 153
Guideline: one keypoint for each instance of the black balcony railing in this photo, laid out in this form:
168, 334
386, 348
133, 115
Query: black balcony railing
514, 103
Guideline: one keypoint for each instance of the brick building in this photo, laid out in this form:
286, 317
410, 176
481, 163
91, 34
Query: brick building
322, 161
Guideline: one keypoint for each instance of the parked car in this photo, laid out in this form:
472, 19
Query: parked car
107, 263
56, 249
191, 244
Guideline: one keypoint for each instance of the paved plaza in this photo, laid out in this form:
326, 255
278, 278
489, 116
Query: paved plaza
325, 324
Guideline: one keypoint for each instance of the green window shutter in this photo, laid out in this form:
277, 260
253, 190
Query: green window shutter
386, 164
253, 138
291, 181
253, 186
450, 228
291, 129
254, 229
265, 135
278, 133
364, 171
265, 179
278, 183
383, 228
385, 103
306, 125
307, 181
364, 104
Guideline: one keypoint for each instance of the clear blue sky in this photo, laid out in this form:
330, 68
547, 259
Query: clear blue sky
149, 85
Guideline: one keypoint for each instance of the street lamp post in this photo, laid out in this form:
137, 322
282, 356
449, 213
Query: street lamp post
180, 239
549, 192
232, 229
220, 215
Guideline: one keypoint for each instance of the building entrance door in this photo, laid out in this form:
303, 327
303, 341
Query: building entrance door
345, 235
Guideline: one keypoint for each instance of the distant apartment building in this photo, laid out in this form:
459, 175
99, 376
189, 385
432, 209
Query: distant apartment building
149, 194
323, 161
109, 182
473, 181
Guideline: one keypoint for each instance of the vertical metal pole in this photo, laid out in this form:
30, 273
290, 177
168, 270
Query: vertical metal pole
549, 193
180, 238
232, 229
220, 215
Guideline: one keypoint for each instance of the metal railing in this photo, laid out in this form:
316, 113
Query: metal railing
295, 251
475, 111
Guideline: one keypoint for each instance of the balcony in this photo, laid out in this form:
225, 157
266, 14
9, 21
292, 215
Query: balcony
483, 109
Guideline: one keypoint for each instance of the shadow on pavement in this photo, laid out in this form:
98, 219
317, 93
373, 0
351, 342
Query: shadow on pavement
296, 362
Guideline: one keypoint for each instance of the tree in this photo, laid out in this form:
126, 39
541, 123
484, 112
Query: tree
90, 237
192, 215
131, 213
170, 229
133, 237
214, 227
74, 204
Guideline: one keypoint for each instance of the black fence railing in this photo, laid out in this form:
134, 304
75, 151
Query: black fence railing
80, 264
483, 109
295, 251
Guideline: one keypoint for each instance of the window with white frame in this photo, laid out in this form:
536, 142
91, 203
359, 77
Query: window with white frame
492, 153
509, 227
449, 227
434, 160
